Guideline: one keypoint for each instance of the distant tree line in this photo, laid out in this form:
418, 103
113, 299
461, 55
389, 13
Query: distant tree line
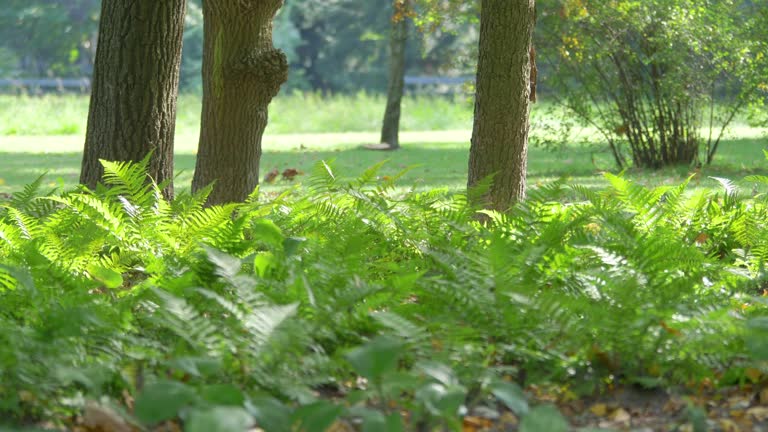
332, 45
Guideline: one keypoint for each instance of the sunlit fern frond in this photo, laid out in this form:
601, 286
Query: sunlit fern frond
130, 180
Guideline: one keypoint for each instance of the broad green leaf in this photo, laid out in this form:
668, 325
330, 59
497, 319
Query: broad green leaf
757, 337
263, 262
316, 417
266, 231
376, 421
438, 371
110, 278
543, 418
162, 401
512, 396
223, 394
196, 366
376, 358
441, 400
270, 413
219, 419
291, 245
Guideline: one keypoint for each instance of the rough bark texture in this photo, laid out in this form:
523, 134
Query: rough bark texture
390, 129
503, 92
135, 84
242, 72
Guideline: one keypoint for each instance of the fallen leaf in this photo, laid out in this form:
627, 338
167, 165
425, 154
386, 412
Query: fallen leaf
290, 173
759, 413
475, 424
728, 425
97, 417
620, 415
271, 176
509, 419
763, 396
738, 402
599, 409
673, 405
754, 374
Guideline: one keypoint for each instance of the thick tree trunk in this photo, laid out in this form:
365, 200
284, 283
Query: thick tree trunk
135, 85
242, 72
398, 37
503, 93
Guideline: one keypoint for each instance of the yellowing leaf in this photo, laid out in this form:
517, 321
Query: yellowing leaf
753, 374
728, 425
763, 396
599, 409
621, 416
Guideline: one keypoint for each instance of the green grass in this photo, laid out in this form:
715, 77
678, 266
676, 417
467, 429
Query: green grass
45, 134
294, 113
439, 159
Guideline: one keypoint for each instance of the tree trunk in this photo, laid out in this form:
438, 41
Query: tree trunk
135, 85
398, 37
502, 102
242, 72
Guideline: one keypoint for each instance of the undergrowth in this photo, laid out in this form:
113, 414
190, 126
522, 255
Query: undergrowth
354, 303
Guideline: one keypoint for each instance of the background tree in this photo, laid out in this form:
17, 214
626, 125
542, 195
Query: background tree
502, 101
651, 75
48, 37
242, 72
135, 83
398, 38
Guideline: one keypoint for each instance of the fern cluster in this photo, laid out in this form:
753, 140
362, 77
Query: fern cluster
255, 307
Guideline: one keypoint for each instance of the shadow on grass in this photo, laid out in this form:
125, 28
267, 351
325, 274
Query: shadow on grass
436, 165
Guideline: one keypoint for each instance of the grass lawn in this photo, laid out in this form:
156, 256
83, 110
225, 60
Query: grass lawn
439, 160
45, 134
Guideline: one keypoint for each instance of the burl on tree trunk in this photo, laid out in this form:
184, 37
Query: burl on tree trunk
242, 72
135, 83
503, 96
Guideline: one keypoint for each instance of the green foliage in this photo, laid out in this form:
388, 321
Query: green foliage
355, 301
648, 74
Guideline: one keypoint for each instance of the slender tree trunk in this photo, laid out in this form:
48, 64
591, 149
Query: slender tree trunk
135, 85
242, 72
503, 95
398, 38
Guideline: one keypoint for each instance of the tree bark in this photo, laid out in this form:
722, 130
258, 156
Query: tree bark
398, 38
502, 102
135, 85
242, 72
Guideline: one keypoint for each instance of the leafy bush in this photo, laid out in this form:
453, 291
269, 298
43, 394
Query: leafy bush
349, 302
661, 80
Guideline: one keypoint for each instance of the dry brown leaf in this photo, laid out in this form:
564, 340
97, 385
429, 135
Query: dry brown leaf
475, 424
701, 238
101, 418
341, 426
673, 405
271, 176
508, 419
759, 413
290, 173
